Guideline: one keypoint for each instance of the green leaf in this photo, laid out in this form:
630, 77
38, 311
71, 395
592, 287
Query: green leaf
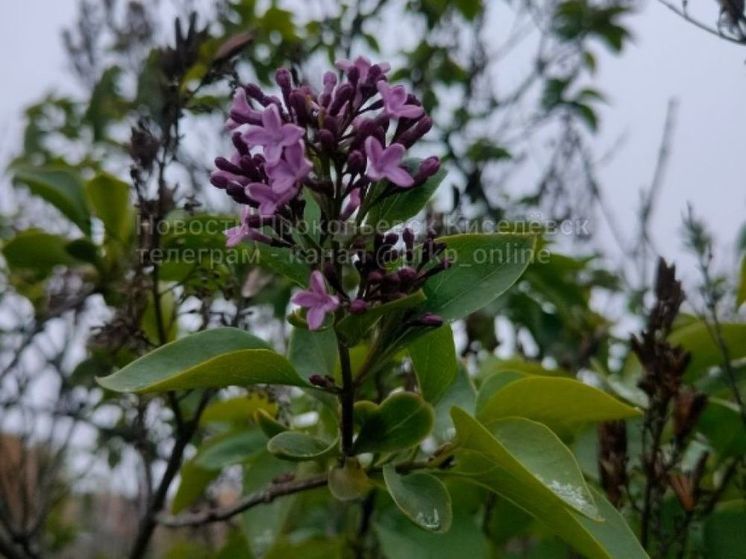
241, 409
724, 534
400, 539
435, 363
60, 186
38, 252
348, 481
268, 424
354, 326
210, 359
404, 203
697, 339
313, 352
722, 424
484, 267
282, 261
564, 405
108, 198
530, 455
492, 384
401, 421
527, 465
292, 445
229, 449
193, 482
421, 497
461, 393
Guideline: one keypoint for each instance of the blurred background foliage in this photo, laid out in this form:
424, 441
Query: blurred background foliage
107, 176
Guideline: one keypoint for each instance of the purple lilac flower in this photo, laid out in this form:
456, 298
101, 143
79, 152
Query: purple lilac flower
385, 163
290, 170
316, 300
395, 102
269, 199
273, 135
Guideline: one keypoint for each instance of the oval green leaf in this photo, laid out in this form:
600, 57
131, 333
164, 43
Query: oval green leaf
435, 363
401, 421
210, 359
421, 497
503, 467
484, 267
563, 404
295, 446
59, 185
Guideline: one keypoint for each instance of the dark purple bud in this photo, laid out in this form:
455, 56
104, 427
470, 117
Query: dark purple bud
224, 165
390, 283
332, 124
241, 146
297, 101
427, 169
365, 127
356, 162
342, 94
238, 194
430, 319
375, 277
249, 168
255, 92
358, 306
283, 78
413, 134
327, 139
391, 239
353, 74
383, 122
374, 74
408, 238
319, 380
407, 276
219, 180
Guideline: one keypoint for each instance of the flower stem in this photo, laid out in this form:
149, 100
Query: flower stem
346, 400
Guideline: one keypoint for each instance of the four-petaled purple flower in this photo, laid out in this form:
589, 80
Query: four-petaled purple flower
273, 135
269, 199
385, 163
316, 300
395, 102
290, 170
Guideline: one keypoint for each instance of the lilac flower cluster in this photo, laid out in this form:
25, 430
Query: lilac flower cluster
341, 144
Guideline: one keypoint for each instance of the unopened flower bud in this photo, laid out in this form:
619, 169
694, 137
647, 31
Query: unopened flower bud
240, 145
408, 238
430, 319
219, 180
297, 101
407, 276
342, 94
326, 139
356, 162
410, 136
283, 78
358, 306
375, 277
224, 165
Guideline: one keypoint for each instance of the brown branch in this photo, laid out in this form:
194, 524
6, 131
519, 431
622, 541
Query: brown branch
260, 497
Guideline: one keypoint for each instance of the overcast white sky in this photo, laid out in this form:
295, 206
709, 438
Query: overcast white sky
669, 58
